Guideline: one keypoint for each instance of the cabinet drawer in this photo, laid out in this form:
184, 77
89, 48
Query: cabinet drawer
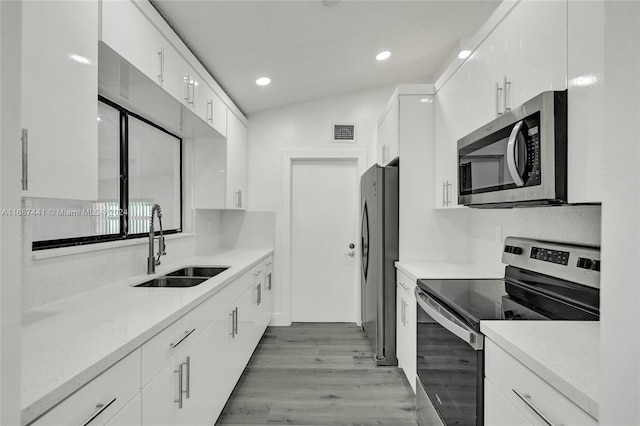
102, 397
405, 282
164, 346
510, 376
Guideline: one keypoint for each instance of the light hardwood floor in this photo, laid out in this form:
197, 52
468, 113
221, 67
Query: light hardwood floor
318, 374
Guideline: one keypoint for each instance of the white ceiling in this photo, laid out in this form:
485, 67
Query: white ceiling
313, 49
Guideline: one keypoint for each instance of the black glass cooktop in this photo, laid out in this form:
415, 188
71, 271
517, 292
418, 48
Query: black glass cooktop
520, 295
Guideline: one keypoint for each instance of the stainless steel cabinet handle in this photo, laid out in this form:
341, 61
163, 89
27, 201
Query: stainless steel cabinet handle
186, 334
100, 408
192, 85
444, 192
180, 388
402, 312
187, 82
210, 106
526, 398
238, 198
236, 323
268, 278
505, 94
188, 366
512, 160
161, 56
403, 286
25, 159
498, 96
447, 320
260, 294
233, 324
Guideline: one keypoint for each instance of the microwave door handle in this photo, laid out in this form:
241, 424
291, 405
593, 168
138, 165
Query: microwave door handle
512, 156
448, 321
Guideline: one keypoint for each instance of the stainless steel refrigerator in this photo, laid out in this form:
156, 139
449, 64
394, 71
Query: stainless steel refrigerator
379, 249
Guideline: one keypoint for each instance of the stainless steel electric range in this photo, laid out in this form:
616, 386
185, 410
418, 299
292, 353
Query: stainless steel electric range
543, 281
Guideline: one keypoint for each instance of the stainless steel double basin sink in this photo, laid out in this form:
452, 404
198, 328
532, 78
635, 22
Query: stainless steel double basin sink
185, 277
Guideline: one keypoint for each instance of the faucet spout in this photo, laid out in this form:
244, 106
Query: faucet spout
152, 262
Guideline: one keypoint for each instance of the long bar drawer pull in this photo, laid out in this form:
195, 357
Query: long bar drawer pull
526, 398
186, 334
100, 408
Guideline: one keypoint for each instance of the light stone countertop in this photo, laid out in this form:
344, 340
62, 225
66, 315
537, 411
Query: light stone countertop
566, 354
444, 270
67, 343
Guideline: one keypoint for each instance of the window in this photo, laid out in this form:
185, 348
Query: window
139, 165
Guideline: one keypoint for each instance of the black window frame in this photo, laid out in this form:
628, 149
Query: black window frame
123, 234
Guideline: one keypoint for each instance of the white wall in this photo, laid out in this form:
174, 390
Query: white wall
302, 127
569, 224
10, 253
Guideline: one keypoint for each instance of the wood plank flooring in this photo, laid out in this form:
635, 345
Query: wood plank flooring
318, 374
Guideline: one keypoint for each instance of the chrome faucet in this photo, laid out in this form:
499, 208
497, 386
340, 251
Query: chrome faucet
152, 262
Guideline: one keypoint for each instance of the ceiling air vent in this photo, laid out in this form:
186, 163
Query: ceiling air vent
343, 132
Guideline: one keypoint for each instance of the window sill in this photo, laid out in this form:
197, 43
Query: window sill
66, 251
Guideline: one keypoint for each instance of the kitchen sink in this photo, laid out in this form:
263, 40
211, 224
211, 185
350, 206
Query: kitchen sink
197, 271
167, 281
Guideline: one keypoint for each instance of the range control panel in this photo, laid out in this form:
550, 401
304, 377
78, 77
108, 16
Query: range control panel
580, 264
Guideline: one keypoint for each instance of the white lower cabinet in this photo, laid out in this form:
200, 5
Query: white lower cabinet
515, 387
406, 332
100, 399
130, 415
498, 411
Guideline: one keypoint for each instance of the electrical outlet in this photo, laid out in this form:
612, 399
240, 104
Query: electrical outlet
498, 234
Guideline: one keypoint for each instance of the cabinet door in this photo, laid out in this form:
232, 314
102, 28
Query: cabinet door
127, 31
587, 90
216, 110
159, 406
178, 76
248, 314
130, 415
411, 333
487, 67
209, 173
267, 301
451, 121
532, 66
59, 98
237, 168
498, 411
387, 136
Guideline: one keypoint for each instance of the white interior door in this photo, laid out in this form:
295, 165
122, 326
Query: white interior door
324, 222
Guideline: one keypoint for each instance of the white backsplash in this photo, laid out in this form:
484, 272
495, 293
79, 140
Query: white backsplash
569, 224
53, 278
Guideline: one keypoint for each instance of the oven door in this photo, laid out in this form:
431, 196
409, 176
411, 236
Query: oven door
450, 367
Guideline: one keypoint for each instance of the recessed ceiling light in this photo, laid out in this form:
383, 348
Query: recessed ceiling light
584, 80
464, 54
383, 55
425, 100
263, 81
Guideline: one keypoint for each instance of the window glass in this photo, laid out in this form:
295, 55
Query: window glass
154, 176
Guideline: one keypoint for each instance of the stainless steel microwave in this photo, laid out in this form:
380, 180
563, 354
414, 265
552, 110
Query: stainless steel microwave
518, 159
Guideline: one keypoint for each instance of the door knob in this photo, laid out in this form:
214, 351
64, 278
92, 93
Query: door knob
352, 253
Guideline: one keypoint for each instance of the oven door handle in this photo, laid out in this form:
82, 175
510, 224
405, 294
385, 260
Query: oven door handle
512, 156
449, 321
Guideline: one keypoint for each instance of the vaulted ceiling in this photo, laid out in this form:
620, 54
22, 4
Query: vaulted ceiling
318, 48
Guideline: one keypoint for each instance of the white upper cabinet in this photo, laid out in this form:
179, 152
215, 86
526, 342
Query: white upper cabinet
237, 167
60, 98
586, 100
387, 135
126, 30
451, 103
514, 63
129, 32
537, 53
